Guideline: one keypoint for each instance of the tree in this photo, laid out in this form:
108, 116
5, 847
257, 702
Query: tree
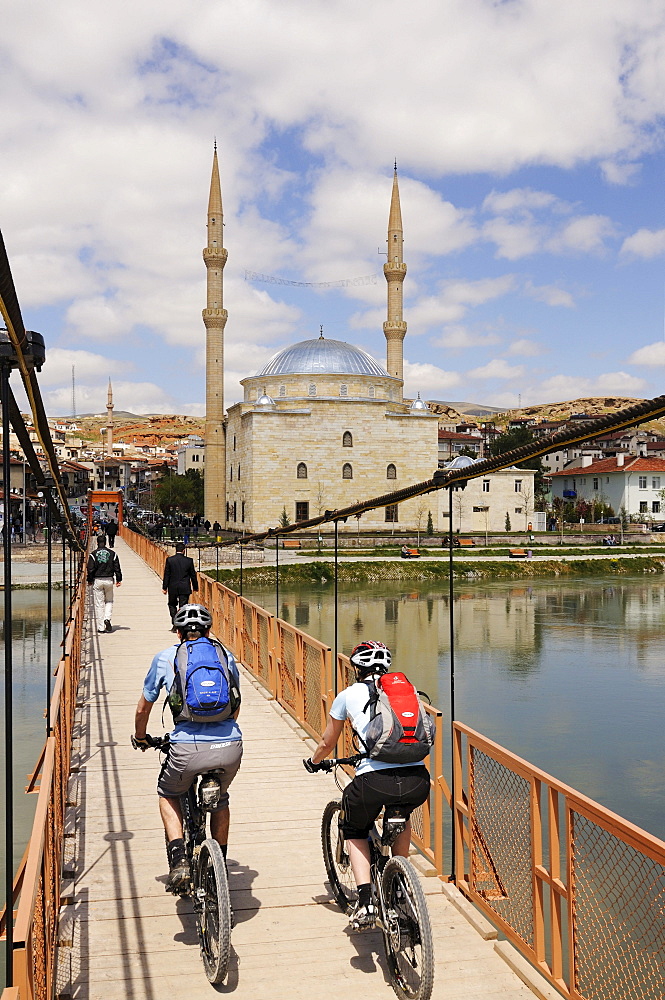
459, 501
183, 493
284, 519
420, 513
430, 524
467, 450
508, 527
515, 438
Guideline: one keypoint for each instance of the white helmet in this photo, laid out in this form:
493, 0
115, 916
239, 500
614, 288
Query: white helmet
192, 616
371, 657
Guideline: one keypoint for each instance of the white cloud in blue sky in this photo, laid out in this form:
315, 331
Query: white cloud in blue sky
530, 146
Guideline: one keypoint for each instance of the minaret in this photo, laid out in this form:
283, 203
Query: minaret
395, 271
109, 420
214, 318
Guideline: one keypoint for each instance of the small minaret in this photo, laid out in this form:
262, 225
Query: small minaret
109, 420
214, 318
395, 271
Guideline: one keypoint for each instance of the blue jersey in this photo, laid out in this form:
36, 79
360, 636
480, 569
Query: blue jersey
161, 674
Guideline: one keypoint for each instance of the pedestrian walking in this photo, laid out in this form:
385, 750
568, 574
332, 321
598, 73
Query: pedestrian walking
103, 569
179, 579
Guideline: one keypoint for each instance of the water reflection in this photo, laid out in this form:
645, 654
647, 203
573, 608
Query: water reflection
29, 636
569, 675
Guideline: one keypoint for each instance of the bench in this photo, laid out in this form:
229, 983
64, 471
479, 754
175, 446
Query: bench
410, 553
517, 553
291, 543
466, 543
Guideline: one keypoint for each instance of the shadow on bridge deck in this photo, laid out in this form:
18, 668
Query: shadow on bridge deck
132, 941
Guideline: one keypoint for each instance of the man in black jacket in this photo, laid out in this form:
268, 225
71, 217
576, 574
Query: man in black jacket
179, 579
103, 567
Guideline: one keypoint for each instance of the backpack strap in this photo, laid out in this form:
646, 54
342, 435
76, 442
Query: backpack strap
373, 699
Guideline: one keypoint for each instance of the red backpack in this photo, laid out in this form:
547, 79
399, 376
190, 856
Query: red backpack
400, 731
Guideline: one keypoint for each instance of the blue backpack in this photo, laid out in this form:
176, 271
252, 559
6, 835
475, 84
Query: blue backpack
204, 688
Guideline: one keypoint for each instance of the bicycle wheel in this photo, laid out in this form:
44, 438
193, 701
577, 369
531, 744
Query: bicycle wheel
336, 858
213, 911
408, 934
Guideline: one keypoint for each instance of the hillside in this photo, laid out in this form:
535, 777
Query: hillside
159, 428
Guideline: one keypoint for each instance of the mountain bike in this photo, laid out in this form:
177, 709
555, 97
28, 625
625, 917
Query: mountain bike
208, 887
403, 917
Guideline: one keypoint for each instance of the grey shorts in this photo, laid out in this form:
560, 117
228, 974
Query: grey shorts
185, 761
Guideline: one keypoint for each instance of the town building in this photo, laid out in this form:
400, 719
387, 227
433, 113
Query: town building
191, 455
623, 482
489, 503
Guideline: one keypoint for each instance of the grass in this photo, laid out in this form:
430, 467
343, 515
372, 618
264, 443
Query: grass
323, 573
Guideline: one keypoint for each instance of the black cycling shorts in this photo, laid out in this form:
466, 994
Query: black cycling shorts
368, 793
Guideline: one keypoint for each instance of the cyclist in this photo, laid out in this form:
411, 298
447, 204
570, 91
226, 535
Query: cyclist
194, 747
376, 784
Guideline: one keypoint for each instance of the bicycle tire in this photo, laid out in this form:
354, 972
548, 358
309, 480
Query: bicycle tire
336, 858
408, 933
213, 911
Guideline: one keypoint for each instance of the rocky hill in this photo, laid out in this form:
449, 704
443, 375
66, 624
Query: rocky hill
159, 428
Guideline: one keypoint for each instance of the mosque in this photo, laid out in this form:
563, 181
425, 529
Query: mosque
322, 424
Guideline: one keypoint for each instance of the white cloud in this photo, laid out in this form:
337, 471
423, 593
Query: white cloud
459, 338
88, 367
585, 234
551, 295
645, 243
561, 387
135, 397
497, 368
650, 354
427, 379
106, 133
525, 348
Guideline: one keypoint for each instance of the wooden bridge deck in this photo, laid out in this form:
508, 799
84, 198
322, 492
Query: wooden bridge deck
131, 940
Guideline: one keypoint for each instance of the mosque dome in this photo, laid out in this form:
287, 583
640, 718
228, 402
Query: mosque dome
419, 406
265, 400
322, 357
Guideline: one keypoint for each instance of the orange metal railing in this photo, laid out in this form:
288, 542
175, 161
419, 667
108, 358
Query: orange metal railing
36, 900
580, 891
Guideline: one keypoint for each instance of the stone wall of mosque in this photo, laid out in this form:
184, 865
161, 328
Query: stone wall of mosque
308, 456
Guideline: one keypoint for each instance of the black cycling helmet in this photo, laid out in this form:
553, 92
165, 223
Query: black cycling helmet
193, 616
371, 657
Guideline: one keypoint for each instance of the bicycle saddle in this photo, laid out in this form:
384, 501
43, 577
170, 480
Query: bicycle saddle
394, 823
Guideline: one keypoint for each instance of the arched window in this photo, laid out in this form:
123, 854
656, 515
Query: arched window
312, 389
372, 392
344, 389
347, 471
301, 472
391, 472
347, 439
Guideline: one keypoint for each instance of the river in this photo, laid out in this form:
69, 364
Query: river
570, 676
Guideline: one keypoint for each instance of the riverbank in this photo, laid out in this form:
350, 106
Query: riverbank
366, 571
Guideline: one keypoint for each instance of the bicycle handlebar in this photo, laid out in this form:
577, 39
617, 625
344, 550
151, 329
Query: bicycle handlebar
328, 765
151, 742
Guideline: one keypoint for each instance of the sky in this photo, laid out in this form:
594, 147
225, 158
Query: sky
530, 144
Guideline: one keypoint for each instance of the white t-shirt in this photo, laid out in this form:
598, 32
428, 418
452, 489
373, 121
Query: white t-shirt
351, 703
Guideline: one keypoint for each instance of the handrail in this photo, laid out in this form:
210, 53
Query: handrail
36, 894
